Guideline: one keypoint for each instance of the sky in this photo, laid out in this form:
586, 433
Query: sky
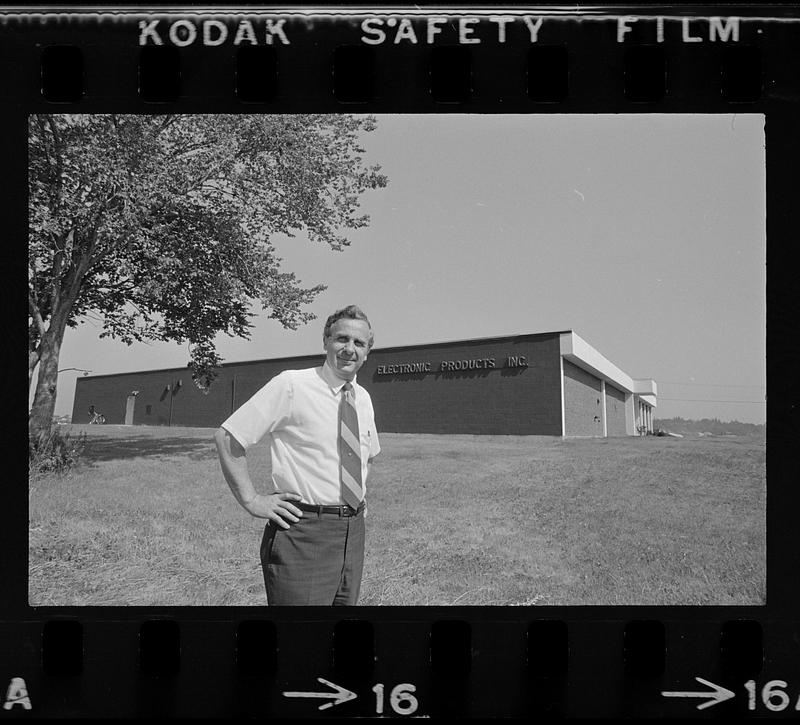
644, 234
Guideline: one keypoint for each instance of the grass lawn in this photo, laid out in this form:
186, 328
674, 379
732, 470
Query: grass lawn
465, 520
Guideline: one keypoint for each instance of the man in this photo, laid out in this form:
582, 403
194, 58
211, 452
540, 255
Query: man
321, 428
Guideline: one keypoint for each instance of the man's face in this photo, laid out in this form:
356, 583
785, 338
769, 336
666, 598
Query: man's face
346, 347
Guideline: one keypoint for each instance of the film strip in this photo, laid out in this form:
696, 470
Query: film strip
644, 657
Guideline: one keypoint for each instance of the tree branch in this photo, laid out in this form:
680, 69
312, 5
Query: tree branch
100, 252
46, 148
36, 315
58, 268
34, 338
89, 315
219, 190
76, 273
213, 170
169, 119
126, 284
191, 147
57, 151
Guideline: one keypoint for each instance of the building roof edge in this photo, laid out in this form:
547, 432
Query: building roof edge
320, 355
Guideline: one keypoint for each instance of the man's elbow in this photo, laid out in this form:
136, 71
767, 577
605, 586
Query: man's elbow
227, 444
219, 437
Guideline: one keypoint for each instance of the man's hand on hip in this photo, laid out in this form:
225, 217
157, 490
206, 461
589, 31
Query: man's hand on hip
277, 507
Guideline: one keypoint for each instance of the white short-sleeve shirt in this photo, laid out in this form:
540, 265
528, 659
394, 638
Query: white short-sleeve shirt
299, 410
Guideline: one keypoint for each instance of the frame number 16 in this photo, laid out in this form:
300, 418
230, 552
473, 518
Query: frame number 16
773, 695
400, 699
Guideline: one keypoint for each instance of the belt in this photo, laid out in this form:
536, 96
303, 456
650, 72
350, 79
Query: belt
344, 510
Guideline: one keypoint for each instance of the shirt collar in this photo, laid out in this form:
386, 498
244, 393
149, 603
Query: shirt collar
335, 383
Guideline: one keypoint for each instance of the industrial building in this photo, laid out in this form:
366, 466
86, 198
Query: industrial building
551, 383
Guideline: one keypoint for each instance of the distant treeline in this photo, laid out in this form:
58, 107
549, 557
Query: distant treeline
715, 426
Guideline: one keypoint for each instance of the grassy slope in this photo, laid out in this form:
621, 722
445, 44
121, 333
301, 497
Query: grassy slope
452, 520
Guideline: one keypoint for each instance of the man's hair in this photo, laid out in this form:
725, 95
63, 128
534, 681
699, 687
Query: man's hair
351, 312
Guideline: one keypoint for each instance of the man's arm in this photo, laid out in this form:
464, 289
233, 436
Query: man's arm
276, 507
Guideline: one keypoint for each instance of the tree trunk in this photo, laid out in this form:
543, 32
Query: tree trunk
66, 291
44, 401
33, 361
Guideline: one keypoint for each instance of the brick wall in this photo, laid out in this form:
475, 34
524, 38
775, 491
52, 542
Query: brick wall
500, 400
615, 411
109, 393
190, 406
583, 411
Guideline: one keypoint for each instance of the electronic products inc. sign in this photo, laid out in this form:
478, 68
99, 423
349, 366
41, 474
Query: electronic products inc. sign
482, 363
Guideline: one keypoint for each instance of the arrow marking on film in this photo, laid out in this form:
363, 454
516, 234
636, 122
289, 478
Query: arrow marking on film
341, 695
719, 694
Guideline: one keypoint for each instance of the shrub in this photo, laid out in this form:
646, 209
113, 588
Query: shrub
54, 452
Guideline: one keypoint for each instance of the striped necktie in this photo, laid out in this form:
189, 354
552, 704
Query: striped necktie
350, 448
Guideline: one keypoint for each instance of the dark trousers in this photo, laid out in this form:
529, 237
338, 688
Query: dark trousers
316, 562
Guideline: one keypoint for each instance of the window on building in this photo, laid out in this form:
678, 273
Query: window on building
148, 409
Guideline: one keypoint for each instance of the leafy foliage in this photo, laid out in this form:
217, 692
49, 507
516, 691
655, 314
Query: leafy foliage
55, 452
161, 225
709, 425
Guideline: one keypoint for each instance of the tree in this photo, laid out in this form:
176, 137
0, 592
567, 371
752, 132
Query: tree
162, 226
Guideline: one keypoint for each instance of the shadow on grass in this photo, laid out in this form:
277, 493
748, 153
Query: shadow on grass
101, 448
